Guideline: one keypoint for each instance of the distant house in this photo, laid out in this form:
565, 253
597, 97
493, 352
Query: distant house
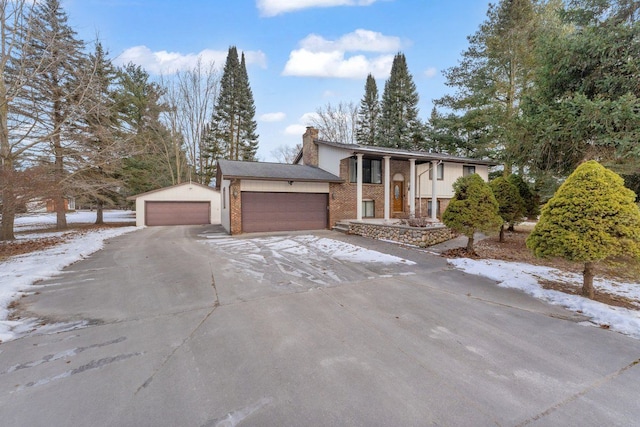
331, 182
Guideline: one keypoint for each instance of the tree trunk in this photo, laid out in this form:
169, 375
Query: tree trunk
511, 227
100, 212
587, 284
8, 207
502, 233
470, 244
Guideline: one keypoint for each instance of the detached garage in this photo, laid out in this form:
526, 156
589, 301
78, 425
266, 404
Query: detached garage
181, 204
259, 196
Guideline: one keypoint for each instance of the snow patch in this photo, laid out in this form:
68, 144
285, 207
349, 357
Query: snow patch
526, 278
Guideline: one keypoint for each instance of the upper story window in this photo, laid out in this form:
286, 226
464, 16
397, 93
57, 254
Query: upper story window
468, 170
440, 172
371, 171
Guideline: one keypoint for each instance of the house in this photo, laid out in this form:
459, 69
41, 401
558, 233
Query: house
187, 203
331, 182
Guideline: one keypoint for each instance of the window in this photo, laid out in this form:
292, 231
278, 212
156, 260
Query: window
440, 172
368, 209
371, 171
468, 170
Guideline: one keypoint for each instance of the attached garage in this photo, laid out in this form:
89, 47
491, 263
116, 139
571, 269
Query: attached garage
283, 211
258, 197
181, 204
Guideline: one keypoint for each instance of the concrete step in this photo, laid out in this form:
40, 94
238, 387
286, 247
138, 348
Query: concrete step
342, 227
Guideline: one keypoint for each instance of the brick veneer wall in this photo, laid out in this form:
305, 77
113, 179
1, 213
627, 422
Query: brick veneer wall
343, 197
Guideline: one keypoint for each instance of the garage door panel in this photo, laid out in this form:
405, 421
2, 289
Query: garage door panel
283, 211
177, 213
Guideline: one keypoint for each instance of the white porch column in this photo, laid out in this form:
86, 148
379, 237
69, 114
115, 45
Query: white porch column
412, 188
359, 187
387, 186
434, 190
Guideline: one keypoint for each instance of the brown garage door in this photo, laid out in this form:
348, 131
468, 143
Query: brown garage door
283, 211
177, 213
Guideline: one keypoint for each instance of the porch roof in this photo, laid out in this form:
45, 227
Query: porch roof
396, 153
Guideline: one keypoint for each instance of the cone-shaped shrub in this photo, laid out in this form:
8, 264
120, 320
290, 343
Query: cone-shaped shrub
473, 208
591, 217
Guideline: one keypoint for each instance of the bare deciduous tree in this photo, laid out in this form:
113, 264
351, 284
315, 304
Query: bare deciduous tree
190, 96
286, 153
337, 123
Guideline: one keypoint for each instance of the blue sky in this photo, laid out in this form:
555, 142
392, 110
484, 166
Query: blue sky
301, 54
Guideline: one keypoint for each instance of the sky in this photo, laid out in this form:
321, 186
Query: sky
301, 54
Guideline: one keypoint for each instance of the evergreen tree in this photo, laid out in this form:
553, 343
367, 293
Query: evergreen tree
368, 114
98, 136
59, 87
491, 77
399, 123
586, 102
473, 208
591, 217
510, 204
529, 197
248, 138
233, 127
152, 163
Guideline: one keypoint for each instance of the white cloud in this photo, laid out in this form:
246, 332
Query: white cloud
359, 40
319, 57
163, 62
298, 129
273, 117
304, 63
276, 7
431, 72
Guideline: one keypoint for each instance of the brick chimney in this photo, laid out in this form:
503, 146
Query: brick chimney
309, 147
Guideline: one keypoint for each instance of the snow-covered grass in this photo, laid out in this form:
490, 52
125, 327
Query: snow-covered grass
39, 221
19, 273
527, 277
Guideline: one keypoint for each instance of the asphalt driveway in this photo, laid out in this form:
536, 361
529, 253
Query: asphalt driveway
186, 326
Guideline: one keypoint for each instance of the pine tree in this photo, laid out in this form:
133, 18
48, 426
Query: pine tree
247, 112
138, 102
591, 217
98, 135
54, 43
399, 123
510, 204
473, 208
233, 126
368, 114
491, 78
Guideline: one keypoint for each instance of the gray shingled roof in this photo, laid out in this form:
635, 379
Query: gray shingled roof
275, 171
406, 154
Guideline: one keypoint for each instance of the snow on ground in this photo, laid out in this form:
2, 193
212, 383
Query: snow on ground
526, 278
19, 273
301, 245
25, 222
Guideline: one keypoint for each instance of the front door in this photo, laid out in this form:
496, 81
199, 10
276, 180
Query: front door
398, 196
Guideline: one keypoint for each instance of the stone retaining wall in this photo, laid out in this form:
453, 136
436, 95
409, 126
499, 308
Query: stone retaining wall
417, 236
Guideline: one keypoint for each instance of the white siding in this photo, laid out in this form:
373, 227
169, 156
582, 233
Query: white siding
284, 186
225, 216
329, 158
444, 189
181, 193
